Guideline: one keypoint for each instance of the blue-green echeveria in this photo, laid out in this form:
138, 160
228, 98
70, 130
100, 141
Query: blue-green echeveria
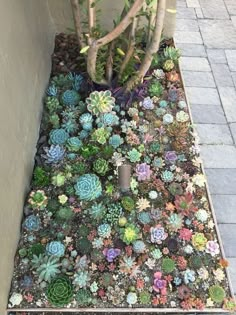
88, 187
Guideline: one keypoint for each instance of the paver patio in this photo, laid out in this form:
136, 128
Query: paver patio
206, 34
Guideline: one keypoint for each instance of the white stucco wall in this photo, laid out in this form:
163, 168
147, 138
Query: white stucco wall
26, 42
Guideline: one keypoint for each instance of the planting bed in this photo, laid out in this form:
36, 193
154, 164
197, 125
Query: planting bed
93, 237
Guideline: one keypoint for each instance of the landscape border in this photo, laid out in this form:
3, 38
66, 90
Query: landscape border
152, 309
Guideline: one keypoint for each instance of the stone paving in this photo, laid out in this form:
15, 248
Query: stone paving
206, 34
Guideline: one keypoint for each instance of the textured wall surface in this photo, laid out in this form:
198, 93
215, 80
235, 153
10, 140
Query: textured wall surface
27, 38
62, 15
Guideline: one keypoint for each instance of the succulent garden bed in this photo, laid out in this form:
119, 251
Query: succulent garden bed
118, 214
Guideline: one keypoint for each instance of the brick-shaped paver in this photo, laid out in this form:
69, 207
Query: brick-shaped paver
203, 96
187, 25
188, 37
181, 4
186, 13
233, 74
218, 33
232, 271
233, 19
216, 56
228, 236
208, 114
231, 58
214, 134
194, 64
224, 206
192, 50
222, 75
231, 6
232, 127
214, 9
221, 181
219, 156
199, 13
198, 79
228, 99
193, 4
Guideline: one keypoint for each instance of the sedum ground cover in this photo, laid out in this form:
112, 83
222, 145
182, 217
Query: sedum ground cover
85, 242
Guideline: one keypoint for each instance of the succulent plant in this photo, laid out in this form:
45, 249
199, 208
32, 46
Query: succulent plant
97, 211
88, 187
74, 144
128, 203
144, 217
134, 155
36, 249
79, 168
83, 297
100, 166
129, 234
83, 231
52, 90
108, 119
168, 65
60, 291
26, 282
54, 154
155, 89
145, 298
131, 298
48, 269
59, 179
139, 247
55, 248
217, 293
70, 98
52, 104
147, 103
76, 79
54, 120
115, 141
32, 223
199, 241
168, 265
38, 199
172, 53
101, 135
167, 176
104, 230
114, 212
86, 118
81, 279
195, 262
83, 246
175, 222
70, 126
40, 177
89, 150
100, 102
65, 214
58, 136
106, 279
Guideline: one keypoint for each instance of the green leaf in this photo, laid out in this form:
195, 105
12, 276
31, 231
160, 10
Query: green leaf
84, 49
127, 4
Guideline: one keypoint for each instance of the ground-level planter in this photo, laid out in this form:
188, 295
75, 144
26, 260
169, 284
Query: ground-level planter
119, 218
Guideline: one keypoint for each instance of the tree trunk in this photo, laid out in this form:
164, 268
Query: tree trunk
77, 21
152, 48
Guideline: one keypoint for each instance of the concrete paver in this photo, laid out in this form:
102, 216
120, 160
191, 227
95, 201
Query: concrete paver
209, 72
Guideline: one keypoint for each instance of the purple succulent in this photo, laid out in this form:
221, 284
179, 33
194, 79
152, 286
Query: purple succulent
148, 103
158, 234
111, 253
143, 171
171, 157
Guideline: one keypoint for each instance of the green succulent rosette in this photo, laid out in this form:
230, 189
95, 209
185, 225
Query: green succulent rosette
60, 291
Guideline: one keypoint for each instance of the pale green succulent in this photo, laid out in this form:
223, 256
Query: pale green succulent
100, 102
81, 279
48, 269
